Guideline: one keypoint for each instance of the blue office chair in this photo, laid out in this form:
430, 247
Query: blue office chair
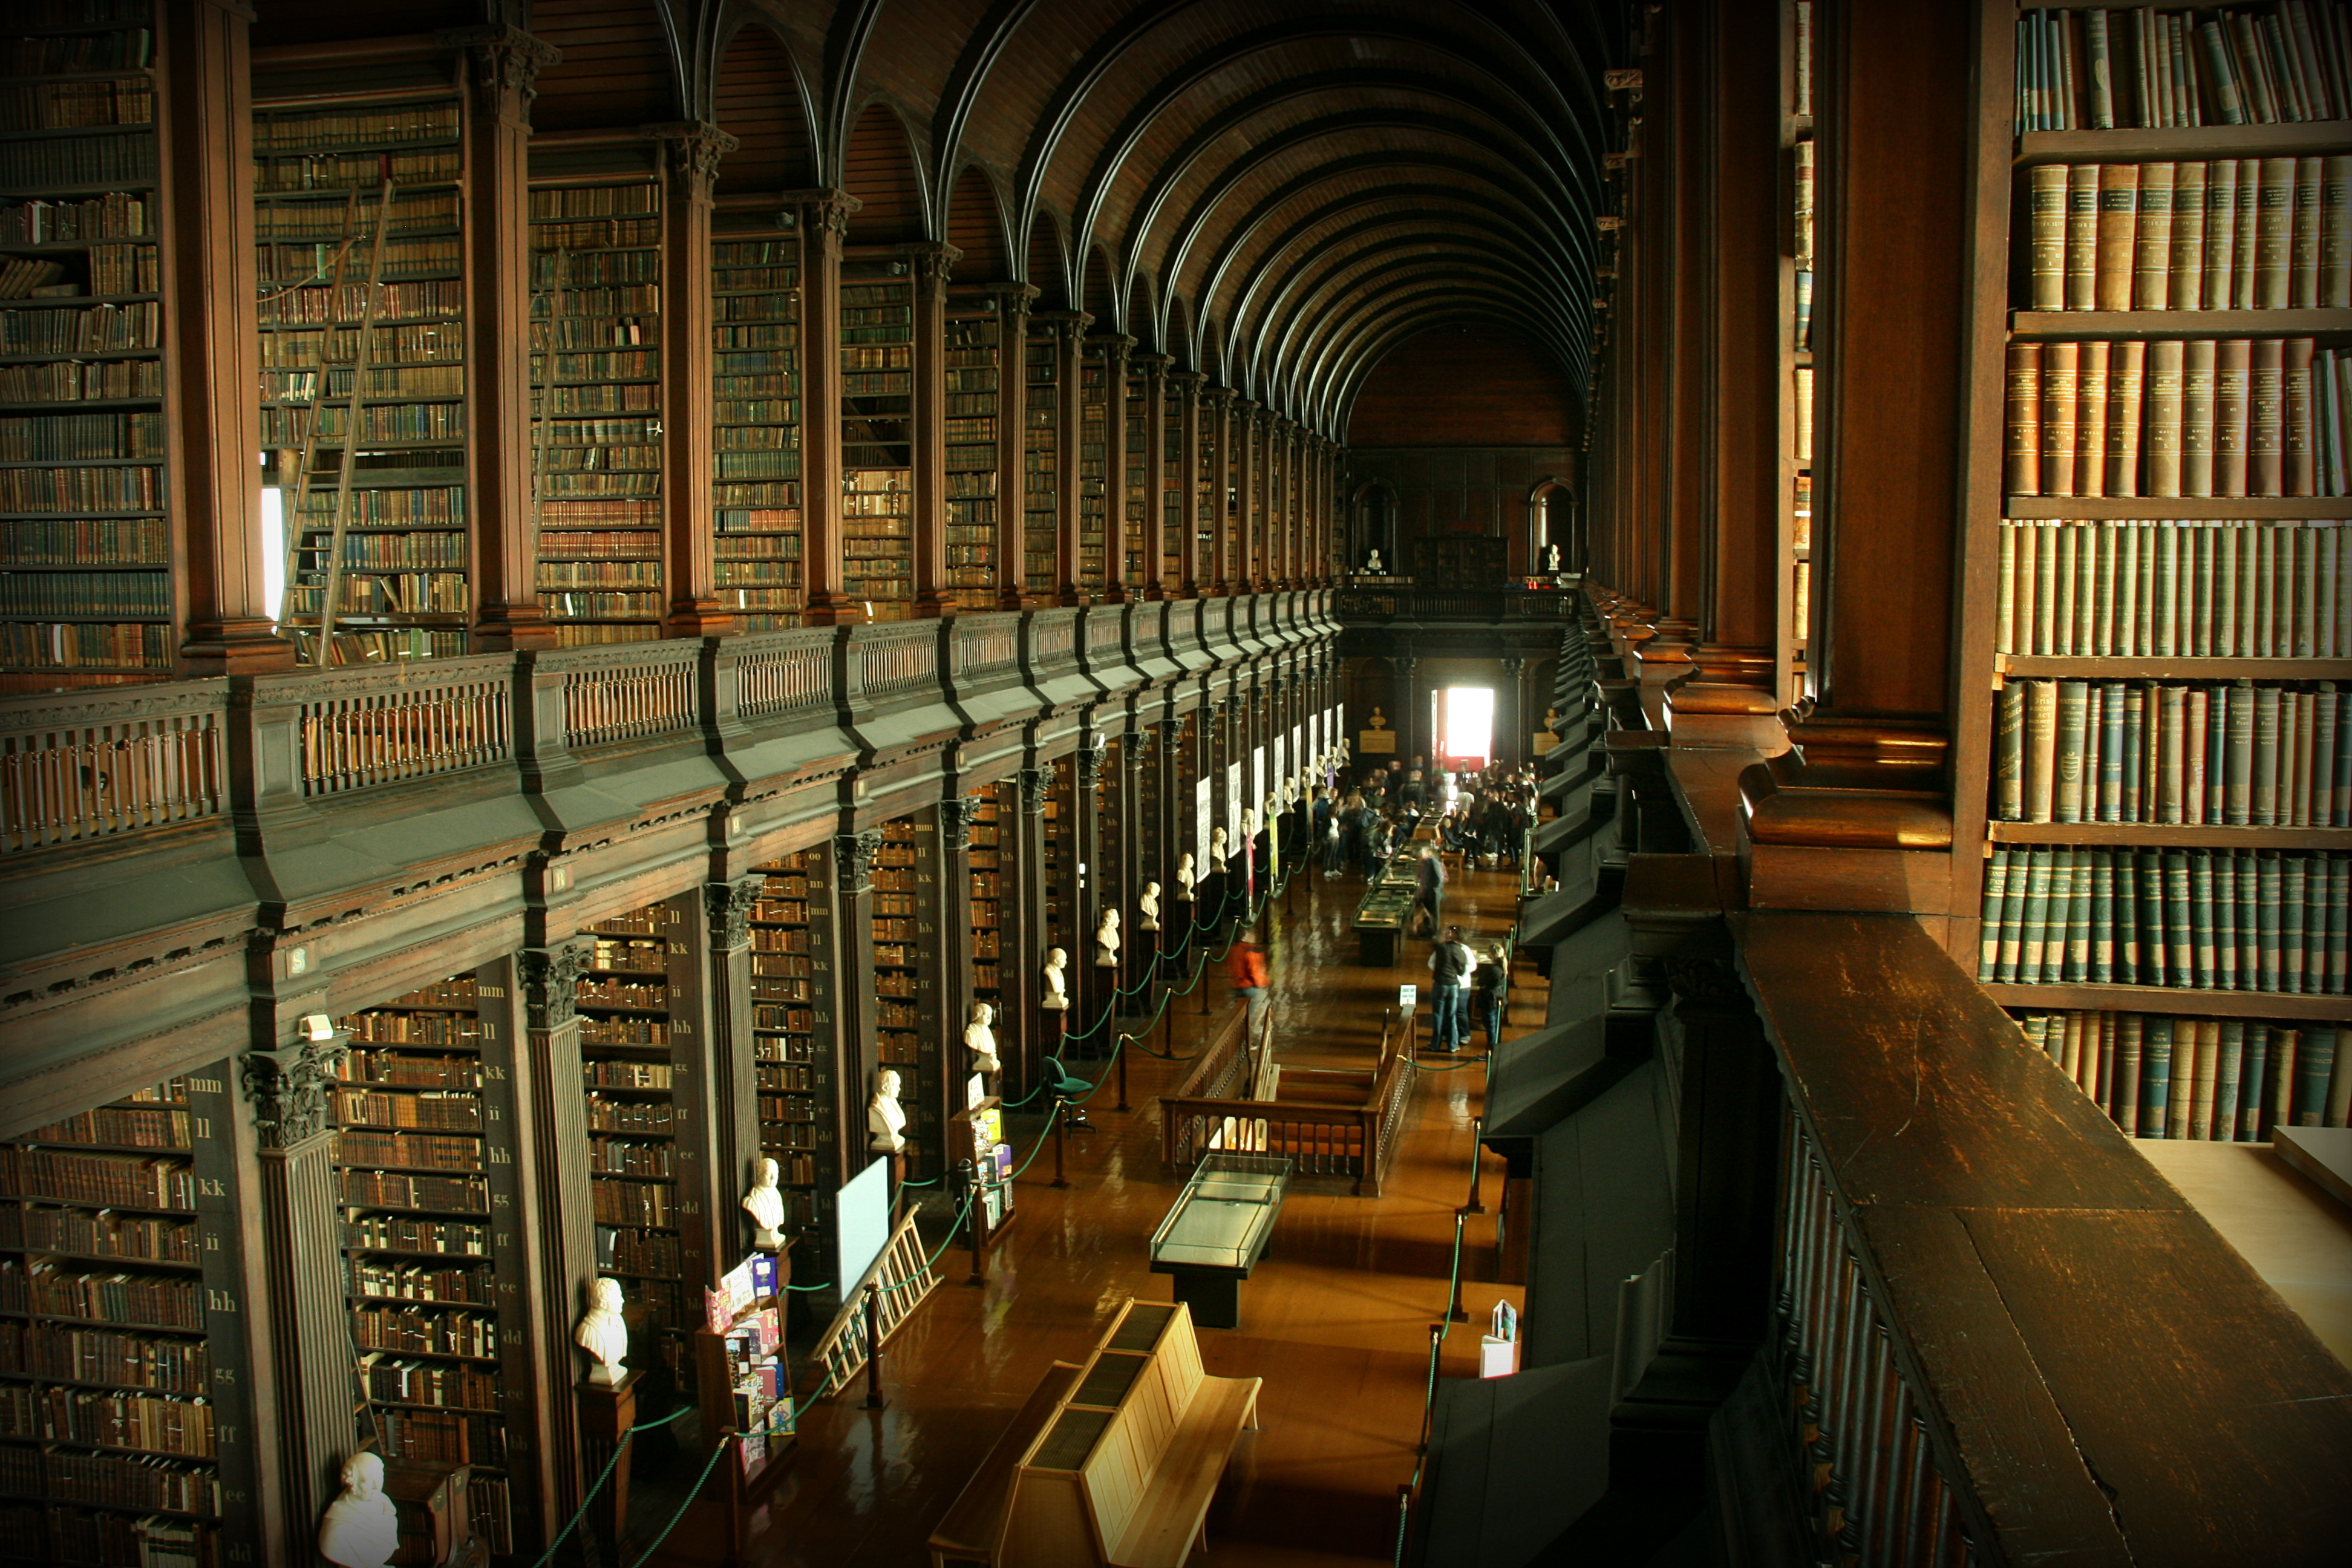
1066, 1085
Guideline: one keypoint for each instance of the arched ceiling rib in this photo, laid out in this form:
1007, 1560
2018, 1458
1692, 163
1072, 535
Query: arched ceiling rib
1275, 192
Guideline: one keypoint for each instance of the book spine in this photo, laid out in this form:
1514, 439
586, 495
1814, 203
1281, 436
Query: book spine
2179, 1098
2221, 232
2274, 235
2156, 1080
2130, 1045
2304, 258
2253, 1083
2071, 729
2249, 228
2040, 778
2299, 456
2335, 232
2081, 236
2152, 238
2046, 253
2164, 412
2266, 422
2008, 748
2189, 210
2118, 236
2023, 473
1988, 924
2223, 1121
2126, 408
2197, 367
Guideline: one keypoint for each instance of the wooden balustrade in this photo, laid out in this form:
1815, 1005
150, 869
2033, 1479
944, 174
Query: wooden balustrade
364, 729
888, 659
980, 647
75, 768
630, 692
1332, 1122
779, 672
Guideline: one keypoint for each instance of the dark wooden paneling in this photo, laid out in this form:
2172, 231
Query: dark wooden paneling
975, 226
615, 70
1465, 386
880, 172
758, 102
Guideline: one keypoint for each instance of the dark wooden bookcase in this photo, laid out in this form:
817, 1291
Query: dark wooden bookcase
755, 271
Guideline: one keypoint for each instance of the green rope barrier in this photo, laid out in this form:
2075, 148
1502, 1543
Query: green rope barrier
618, 1450
699, 1481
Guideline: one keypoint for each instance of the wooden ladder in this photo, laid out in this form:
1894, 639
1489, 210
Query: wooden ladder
906, 1279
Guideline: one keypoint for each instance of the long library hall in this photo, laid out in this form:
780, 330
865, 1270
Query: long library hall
842, 784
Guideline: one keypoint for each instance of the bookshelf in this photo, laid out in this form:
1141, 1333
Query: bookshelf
639, 972
877, 411
786, 934
1797, 138
1041, 459
1175, 515
118, 1343
596, 340
987, 863
85, 524
974, 336
2166, 631
916, 1024
416, 1107
1094, 469
1133, 501
756, 411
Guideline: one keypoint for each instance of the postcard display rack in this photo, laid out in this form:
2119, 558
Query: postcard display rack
878, 412
85, 541
755, 344
1041, 458
2166, 746
357, 212
639, 1002
429, 1189
979, 1136
974, 336
794, 961
744, 1384
125, 1431
596, 389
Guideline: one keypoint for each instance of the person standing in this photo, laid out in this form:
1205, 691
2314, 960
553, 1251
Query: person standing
1450, 963
1429, 889
1245, 966
1489, 990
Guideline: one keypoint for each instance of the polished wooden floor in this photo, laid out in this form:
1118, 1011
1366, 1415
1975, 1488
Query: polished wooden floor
1336, 1321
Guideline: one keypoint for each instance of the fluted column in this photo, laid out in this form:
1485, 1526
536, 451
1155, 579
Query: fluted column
930, 265
1113, 350
1243, 446
690, 155
1011, 428
1186, 384
1068, 466
1217, 431
1153, 368
824, 223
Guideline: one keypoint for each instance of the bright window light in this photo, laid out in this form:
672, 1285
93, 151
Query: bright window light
273, 550
1468, 725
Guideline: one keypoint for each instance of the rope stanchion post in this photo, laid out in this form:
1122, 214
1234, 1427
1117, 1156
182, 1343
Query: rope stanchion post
873, 1345
1454, 1313
1119, 1051
979, 1247
1061, 1143
1478, 1131
1429, 1405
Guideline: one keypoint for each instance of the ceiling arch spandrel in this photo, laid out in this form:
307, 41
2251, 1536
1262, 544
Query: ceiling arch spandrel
1449, 282
757, 100
619, 66
1027, 55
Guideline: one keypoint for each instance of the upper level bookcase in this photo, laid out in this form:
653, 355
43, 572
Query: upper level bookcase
85, 595
1797, 137
1094, 469
756, 418
2159, 621
878, 412
1040, 456
974, 343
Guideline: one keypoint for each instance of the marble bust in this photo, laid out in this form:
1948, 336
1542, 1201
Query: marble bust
360, 1527
1249, 823
884, 1117
1187, 875
979, 1038
765, 1204
1107, 941
1372, 566
1057, 993
1218, 849
603, 1332
1147, 907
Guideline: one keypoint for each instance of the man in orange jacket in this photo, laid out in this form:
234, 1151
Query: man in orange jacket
1245, 966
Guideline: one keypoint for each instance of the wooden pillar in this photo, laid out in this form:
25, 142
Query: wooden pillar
1186, 384
730, 1075
1153, 368
691, 151
1069, 481
561, 1220
857, 1008
1217, 432
1293, 512
1025, 899
930, 265
1113, 350
1896, 251
824, 223
290, 1091
1011, 423
1243, 447
212, 339
943, 909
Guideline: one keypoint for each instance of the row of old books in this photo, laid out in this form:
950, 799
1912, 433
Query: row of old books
45, 437
76, 105
60, 330
2228, 753
105, 1355
2225, 919
2221, 418
99, 1296
2243, 234
2072, 587
2103, 68
2218, 1079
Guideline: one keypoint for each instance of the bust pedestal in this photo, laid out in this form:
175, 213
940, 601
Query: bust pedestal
607, 1410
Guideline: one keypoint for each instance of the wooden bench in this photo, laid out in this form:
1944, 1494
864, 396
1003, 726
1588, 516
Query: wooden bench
1117, 1459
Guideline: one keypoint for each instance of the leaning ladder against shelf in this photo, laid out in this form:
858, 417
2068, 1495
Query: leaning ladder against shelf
85, 535
421, 1183
905, 1280
124, 1435
364, 376
596, 376
755, 359
2168, 811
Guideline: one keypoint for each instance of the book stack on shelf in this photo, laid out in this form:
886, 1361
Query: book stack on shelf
107, 1390
1175, 513
1041, 459
1094, 468
1132, 503
755, 340
985, 858
971, 441
911, 1029
878, 412
2168, 881
595, 341
85, 585
1797, 463
633, 1121
364, 374
421, 1266
789, 932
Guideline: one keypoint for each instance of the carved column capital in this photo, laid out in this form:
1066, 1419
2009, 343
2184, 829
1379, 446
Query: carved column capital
1089, 760
930, 265
504, 63
691, 150
290, 1088
550, 982
853, 858
728, 905
956, 817
1706, 984
1513, 664
1036, 785
825, 214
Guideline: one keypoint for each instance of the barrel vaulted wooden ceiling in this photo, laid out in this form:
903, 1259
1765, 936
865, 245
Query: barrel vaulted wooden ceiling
1277, 193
